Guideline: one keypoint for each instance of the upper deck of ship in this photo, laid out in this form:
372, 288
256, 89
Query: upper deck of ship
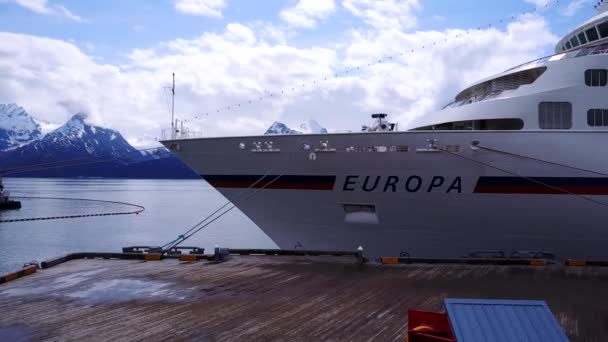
593, 31
277, 297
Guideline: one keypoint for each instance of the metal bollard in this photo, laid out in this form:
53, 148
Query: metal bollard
360, 257
220, 254
155, 250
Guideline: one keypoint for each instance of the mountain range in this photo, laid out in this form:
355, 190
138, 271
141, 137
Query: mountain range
77, 149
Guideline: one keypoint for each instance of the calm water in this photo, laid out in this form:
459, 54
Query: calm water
172, 207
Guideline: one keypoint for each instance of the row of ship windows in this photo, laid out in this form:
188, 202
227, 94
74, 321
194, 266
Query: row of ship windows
493, 88
551, 115
596, 77
558, 115
589, 35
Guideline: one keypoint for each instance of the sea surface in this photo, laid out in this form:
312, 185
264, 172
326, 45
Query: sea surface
171, 208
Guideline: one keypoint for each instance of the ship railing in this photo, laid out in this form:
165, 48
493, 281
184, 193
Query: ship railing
180, 134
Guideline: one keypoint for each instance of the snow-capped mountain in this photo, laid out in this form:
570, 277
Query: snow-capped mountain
17, 127
77, 138
280, 128
158, 153
308, 127
79, 149
311, 127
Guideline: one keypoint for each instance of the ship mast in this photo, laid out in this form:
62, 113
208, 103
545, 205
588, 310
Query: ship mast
173, 109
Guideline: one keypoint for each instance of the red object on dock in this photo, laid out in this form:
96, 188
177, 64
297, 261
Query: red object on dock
424, 326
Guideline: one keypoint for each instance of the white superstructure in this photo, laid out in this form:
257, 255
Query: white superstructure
516, 163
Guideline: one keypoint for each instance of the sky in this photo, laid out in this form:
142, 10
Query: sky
240, 65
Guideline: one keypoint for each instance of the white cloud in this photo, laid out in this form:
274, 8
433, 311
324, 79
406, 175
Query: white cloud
66, 13
43, 7
47, 127
574, 6
212, 71
38, 6
206, 8
538, 3
422, 82
306, 13
386, 14
219, 70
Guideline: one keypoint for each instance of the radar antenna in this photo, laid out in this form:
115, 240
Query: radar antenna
380, 125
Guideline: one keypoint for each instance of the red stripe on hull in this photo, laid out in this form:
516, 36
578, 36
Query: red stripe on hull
541, 190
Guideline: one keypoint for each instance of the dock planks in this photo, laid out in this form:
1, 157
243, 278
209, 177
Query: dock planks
277, 298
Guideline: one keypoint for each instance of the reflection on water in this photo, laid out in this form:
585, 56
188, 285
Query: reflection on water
172, 207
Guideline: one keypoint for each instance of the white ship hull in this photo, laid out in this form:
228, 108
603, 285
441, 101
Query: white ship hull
436, 204
392, 193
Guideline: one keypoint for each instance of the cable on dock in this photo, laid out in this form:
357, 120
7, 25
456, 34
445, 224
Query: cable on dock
138, 210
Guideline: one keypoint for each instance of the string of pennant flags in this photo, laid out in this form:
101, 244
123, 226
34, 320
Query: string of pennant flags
348, 71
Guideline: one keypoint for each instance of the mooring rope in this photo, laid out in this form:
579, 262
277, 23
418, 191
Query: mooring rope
177, 241
183, 237
136, 212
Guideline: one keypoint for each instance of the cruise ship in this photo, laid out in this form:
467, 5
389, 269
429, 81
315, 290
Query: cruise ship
514, 166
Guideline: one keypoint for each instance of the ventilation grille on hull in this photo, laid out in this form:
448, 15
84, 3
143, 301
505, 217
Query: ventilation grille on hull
400, 148
452, 148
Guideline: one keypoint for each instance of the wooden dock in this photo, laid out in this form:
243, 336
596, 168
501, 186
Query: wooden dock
289, 298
